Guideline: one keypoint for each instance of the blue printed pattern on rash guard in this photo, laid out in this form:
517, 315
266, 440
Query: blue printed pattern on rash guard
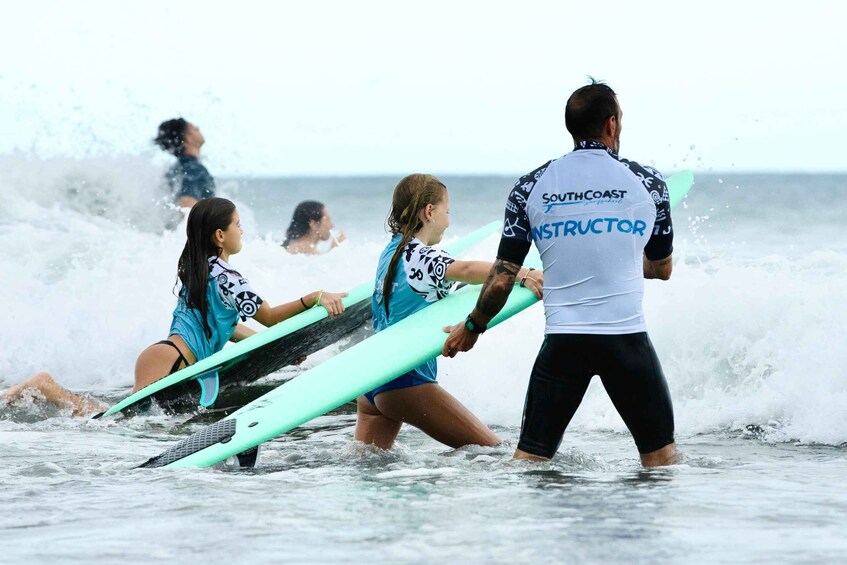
229, 297
419, 279
591, 215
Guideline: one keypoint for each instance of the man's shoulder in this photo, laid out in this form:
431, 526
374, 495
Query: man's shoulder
535, 174
654, 183
526, 182
649, 176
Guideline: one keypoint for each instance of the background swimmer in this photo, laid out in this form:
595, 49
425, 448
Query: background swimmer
311, 224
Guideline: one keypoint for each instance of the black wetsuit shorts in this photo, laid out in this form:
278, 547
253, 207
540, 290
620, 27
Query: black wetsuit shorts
630, 372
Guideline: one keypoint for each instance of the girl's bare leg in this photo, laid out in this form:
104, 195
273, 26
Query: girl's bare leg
437, 413
156, 361
56, 394
374, 428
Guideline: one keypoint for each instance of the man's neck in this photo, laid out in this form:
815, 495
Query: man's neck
600, 143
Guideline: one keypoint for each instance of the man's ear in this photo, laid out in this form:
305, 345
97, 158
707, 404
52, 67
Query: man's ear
612, 125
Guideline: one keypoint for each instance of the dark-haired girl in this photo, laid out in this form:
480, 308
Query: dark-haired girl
311, 226
214, 296
411, 274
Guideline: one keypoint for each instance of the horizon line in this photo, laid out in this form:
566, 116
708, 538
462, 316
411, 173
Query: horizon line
301, 175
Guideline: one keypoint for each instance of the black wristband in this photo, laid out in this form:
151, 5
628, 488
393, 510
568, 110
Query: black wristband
303, 303
473, 327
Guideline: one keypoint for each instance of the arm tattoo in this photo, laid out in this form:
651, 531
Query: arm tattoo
501, 267
657, 269
496, 290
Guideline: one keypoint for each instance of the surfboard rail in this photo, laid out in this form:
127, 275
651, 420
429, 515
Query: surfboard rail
269, 341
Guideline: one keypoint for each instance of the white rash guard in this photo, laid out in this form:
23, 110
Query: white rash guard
592, 215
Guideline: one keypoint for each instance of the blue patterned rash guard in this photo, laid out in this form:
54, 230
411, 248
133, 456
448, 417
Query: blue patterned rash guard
592, 215
229, 297
420, 279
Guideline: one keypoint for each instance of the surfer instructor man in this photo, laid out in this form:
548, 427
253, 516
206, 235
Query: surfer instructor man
602, 224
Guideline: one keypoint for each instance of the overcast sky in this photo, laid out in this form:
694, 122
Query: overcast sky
358, 87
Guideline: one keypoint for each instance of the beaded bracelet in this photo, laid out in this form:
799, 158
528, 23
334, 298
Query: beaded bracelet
523, 280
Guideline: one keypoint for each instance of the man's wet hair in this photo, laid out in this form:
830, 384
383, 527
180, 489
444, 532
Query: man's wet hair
171, 136
588, 108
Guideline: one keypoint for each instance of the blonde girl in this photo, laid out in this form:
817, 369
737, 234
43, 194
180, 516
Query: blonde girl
412, 274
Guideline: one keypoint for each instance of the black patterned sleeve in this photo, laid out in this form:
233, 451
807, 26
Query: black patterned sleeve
660, 244
426, 271
237, 293
517, 232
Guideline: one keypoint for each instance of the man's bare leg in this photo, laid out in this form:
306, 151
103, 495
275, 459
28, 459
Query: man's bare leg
667, 455
520, 454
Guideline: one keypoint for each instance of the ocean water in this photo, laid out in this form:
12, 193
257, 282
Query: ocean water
750, 331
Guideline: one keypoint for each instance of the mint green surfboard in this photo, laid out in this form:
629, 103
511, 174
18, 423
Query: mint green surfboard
349, 374
275, 347
678, 186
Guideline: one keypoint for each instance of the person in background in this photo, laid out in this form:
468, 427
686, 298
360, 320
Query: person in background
43, 384
310, 231
188, 180
412, 274
602, 224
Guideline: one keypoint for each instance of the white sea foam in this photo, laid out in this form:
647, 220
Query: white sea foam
87, 291
89, 270
417, 473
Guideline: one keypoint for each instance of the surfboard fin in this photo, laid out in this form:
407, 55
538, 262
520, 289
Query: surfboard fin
209, 388
248, 458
